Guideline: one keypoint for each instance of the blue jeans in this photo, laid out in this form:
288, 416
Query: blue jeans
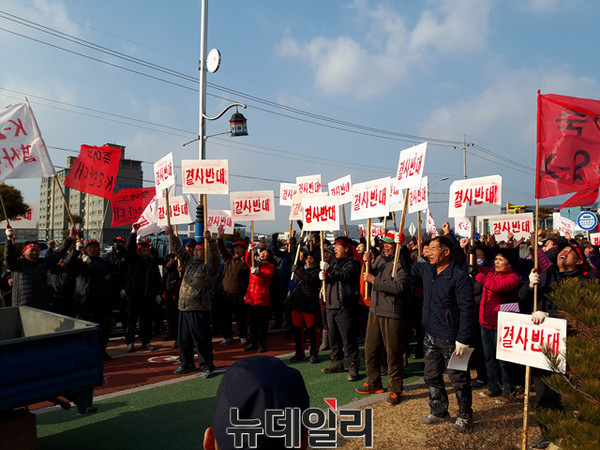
488, 339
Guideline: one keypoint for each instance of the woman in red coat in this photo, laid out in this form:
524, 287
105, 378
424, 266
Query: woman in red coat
499, 286
258, 298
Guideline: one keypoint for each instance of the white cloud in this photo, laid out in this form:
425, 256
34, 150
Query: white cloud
542, 6
388, 52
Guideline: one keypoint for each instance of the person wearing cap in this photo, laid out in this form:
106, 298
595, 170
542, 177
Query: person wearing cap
304, 302
254, 385
448, 308
258, 297
387, 323
117, 258
570, 263
342, 291
235, 283
500, 284
30, 272
195, 303
91, 292
143, 290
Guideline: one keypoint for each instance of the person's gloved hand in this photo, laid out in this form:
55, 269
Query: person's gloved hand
86, 259
122, 294
254, 270
251, 247
74, 232
294, 267
323, 275
10, 233
399, 238
324, 265
79, 245
135, 227
460, 348
471, 270
539, 317
158, 299
534, 278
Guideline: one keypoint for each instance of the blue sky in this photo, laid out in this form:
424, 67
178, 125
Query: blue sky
438, 70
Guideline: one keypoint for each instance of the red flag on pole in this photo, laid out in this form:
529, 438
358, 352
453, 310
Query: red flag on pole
568, 146
129, 204
95, 170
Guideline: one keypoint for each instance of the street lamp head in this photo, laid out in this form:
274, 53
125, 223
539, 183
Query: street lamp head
238, 124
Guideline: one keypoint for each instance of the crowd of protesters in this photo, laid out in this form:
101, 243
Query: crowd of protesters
442, 293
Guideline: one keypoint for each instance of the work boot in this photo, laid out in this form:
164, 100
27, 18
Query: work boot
336, 366
324, 342
353, 372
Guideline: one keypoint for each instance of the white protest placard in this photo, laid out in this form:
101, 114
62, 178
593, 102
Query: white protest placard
396, 196
521, 225
24, 221
521, 341
252, 205
411, 164
296, 210
475, 197
178, 208
430, 225
148, 219
216, 218
164, 173
320, 214
418, 197
309, 184
342, 189
205, 176
595, 238
563, 225
371, 199
286, 193
376, 230
462, 226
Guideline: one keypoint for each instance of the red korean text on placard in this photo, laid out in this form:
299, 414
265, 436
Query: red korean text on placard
163, 173
370, 198
318, 214
309, 187
410, 167
205, 175
476, 195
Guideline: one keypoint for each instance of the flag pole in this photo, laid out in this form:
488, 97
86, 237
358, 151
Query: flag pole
62, 194
323, 259
472, 240
419, 237
368, 249
290, 237
4, 211
166, 191
400, 230
394, 221
297, 252
344, 217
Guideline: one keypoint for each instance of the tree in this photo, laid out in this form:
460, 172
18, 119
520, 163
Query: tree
578, 426
13, 202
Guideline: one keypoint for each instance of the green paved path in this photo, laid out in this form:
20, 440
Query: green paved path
175, 415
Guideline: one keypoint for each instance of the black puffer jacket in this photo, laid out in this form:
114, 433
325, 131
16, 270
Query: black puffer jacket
305, 296
342, 286
91, 285
30, 280
143, 276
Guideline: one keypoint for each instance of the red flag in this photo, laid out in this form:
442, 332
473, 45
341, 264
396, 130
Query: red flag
95, 170
128, 205
568, 145
584, 197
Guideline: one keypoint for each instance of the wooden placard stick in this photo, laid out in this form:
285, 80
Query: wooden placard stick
344, 218
290, 237
166, 191
252, 241
62, 194
323, 259
472, 240
367, 264
419, 237
400, 230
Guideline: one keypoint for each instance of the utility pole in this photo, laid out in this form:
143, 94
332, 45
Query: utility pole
464, 149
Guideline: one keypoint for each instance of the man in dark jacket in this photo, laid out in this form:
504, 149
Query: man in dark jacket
30, 272
195, 301
342, 291
91, 298
447, 318
117, 258
387, 323
143, 288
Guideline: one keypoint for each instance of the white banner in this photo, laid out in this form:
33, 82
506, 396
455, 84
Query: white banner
296, 210
24, 153
462, 226
25, 221
252, 205
178, 207
475, 197
286, 193
418, 197
371, 199
148, 219
320, 214
521, 341
164, 173
309, 184
411, 165
342, 189
396, 196
205, 176
521, 225
563, 225
216, 218
430, 225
